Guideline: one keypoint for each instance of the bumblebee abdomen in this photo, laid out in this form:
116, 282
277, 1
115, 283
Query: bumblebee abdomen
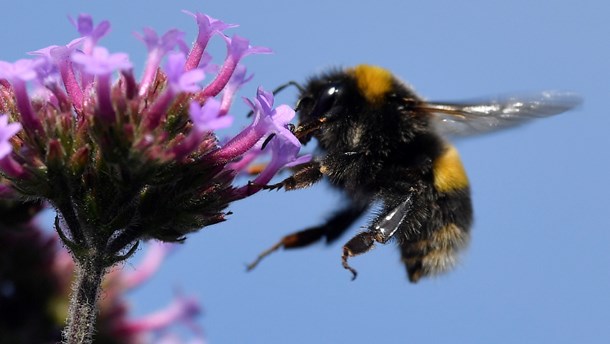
435, 247
435, 253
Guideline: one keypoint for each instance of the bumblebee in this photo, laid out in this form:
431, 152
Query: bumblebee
380, 143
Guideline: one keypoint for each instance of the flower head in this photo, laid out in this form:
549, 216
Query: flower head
135, 147
122, 161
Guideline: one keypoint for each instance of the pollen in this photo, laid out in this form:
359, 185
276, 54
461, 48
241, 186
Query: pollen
374, 82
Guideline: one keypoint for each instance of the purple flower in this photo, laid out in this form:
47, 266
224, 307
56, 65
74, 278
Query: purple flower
238, 79
6, 132
179, 79
165, 43
181, 310
206, 119
284, 145
271, 120
60, 55
17, 74
84, 25
149, 265
102, 64
264, 103
23, 70
47, 71
208, 26
237, 48
157, 48
284, 153
266, 120
91, 35
242, 164
207, 66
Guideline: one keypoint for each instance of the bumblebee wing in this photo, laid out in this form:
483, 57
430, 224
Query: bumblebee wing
478, 117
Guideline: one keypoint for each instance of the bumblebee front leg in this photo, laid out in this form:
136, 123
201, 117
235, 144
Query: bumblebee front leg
305, 176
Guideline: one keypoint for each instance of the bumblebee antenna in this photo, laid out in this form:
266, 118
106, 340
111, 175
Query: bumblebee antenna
280, 88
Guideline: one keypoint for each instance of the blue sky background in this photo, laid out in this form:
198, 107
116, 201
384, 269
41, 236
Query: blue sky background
538, 267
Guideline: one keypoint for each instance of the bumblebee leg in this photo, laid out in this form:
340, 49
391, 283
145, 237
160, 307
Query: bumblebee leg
294, 240
359, 244
332, 229
342, 220
381, 231
305, 176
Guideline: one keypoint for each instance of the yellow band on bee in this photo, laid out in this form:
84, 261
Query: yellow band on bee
449, 173
374, 82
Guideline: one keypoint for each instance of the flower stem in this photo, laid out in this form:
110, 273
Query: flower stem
85, 291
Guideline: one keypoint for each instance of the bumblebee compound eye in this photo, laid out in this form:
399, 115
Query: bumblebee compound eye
315, 108
326, 100
304, 103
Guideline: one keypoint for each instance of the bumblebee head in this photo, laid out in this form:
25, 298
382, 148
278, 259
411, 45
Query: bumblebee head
337, 99
330, 95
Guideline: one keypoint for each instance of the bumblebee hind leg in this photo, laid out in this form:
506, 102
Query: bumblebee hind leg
331, 230
381, 231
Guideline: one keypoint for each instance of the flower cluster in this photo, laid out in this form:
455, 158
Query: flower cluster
133, 159
123, 159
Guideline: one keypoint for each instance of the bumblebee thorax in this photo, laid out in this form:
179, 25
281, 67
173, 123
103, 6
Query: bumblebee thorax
373, 82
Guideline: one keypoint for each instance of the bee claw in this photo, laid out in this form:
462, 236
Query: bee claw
346, 266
